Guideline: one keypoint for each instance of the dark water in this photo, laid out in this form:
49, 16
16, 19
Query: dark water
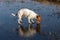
49, 26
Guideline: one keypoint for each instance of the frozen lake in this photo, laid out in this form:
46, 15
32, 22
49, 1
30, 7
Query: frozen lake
49, 26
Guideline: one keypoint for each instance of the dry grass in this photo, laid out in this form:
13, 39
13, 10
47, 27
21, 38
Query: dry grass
48, 2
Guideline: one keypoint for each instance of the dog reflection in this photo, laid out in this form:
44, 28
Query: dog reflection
29, 31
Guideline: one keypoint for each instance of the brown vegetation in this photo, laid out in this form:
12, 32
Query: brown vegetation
54, 1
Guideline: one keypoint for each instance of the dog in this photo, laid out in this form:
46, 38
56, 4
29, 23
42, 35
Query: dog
31, 16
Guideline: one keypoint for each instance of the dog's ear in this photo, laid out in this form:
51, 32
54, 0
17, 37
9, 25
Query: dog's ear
37, 16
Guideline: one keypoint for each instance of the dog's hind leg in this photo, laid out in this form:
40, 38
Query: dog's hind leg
19, 21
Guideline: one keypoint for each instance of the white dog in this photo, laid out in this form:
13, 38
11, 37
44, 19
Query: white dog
31, 15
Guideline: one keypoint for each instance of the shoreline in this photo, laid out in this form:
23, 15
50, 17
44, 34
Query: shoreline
47, 2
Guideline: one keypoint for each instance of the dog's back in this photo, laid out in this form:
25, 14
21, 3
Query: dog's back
26, 12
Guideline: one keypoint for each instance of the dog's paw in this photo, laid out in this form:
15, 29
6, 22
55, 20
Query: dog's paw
19, 23
29, 23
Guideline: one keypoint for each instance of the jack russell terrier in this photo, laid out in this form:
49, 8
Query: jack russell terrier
31, 16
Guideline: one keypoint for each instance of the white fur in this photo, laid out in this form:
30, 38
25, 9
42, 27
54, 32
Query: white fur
26, 13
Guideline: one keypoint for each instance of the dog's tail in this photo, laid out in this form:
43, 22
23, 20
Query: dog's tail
14, 14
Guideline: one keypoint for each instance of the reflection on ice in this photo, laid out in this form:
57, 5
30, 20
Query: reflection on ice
29, 31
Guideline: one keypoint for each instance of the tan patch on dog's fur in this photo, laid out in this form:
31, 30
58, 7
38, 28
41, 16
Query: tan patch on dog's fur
38, 18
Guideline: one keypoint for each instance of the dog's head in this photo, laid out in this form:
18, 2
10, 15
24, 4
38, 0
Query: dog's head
38, 18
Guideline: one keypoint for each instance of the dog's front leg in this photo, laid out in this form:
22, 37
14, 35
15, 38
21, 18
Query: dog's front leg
29, 20
32, 21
